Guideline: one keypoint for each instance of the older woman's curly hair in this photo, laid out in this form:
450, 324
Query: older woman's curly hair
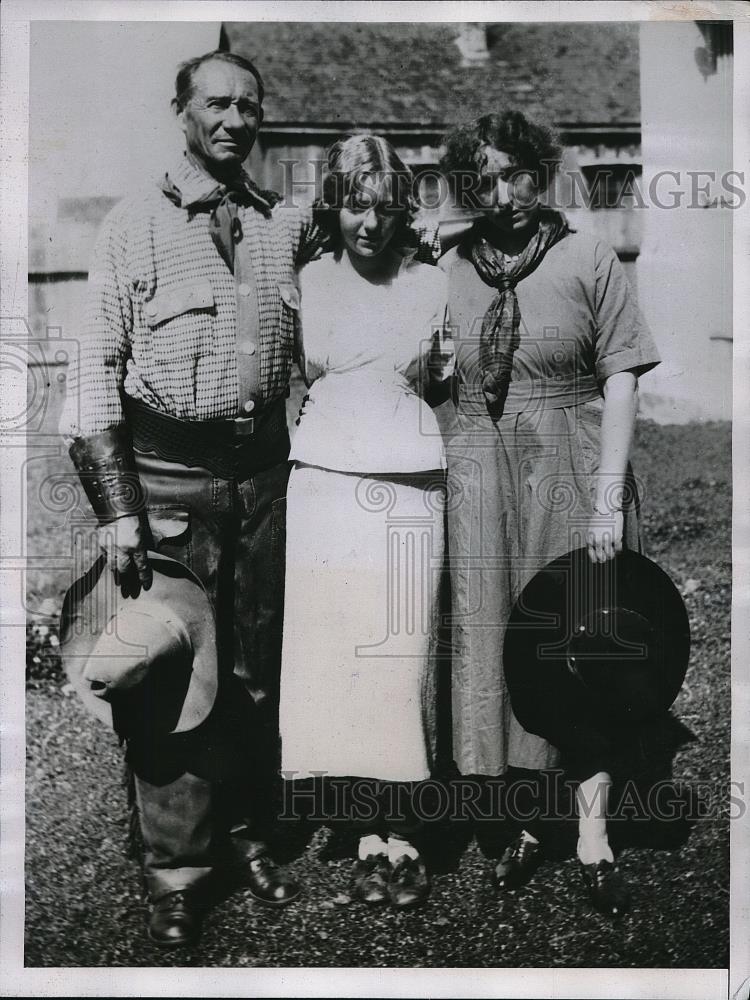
357, 165
531, 146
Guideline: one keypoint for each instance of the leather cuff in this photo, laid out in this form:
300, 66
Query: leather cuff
106, 468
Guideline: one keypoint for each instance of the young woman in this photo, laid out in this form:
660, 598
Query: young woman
549, 347
365, 509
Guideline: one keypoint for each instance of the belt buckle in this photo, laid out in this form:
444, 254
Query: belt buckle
243, 426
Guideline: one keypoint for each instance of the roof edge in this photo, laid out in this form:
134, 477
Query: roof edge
282, 126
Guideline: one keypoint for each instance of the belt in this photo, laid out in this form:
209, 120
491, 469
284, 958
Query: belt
529, 395
230, 449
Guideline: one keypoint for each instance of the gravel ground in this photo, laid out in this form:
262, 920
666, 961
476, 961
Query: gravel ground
84, 900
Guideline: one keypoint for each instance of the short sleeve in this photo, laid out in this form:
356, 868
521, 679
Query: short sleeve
623, 340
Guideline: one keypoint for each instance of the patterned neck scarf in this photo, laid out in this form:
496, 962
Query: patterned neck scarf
194, 190
500, 334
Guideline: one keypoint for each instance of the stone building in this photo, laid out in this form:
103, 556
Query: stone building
412, 82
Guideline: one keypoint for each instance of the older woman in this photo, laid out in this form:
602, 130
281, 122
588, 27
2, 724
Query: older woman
549, 347
365, 518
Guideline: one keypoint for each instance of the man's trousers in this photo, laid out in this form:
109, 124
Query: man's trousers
192, 789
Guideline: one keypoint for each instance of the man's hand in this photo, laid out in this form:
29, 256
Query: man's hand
604, 536
124, 544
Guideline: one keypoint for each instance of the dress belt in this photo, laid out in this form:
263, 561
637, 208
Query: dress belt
529, 395
230, 449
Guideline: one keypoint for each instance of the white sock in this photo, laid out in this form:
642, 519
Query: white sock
373, 843
398, 847
591, 798
594, 849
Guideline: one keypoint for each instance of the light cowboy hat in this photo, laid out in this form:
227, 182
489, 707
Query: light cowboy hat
602, 645
145, 664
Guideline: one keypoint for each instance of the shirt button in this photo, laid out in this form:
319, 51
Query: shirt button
249, 406
248, 348
151, 310
244, 289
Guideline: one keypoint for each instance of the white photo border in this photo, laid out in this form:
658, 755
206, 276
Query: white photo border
15, 17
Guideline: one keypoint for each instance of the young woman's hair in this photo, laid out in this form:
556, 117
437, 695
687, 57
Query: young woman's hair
356, 166
530, 146
186, 73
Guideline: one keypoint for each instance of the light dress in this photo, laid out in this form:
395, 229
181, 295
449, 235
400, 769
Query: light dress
365, 537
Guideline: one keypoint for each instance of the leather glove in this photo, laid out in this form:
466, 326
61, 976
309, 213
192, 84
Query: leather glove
124, 542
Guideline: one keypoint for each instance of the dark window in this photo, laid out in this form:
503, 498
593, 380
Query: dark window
719, 39
429, 186
613, 185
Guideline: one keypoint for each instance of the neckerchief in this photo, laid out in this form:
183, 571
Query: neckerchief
501, 324
222, 200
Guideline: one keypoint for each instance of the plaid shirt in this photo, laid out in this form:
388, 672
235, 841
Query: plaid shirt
161, 319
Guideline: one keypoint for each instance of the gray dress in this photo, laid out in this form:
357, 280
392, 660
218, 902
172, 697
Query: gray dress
520, 490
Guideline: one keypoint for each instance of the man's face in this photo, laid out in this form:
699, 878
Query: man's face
221, 119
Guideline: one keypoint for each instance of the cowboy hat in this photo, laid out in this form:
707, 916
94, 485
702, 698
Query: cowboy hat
141, 664
595, 644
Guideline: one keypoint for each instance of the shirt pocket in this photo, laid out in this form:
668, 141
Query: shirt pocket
179, 330
189, 297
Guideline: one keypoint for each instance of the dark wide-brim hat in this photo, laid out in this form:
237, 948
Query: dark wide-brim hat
143, 665
595, 646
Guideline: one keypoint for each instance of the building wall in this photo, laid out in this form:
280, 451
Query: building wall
100, 127
685, 265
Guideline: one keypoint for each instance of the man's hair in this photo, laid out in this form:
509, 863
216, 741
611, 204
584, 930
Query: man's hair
356, 164
530, 145
186, 73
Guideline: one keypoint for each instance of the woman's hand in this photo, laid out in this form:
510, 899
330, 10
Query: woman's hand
441, 361
604, 535
303, 404
452, 231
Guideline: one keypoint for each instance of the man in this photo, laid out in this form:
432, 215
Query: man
176, 411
